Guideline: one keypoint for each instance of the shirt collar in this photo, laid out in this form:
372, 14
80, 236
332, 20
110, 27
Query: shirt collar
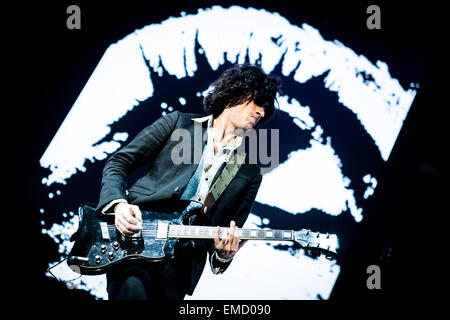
208, 118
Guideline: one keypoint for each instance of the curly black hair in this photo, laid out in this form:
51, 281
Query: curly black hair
240, 84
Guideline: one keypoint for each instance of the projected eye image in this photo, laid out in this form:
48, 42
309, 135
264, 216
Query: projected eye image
324, 176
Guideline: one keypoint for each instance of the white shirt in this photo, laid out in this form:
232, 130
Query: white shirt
212, 160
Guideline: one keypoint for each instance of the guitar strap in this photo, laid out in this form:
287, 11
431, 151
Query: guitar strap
224, 179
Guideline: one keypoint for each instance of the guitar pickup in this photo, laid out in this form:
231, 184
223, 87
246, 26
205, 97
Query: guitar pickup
163, 230
104, 229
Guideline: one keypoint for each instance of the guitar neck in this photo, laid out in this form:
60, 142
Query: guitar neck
204, 232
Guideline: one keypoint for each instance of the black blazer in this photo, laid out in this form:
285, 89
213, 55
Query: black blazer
166, 181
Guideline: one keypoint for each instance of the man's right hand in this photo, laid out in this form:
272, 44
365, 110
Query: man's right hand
128, 218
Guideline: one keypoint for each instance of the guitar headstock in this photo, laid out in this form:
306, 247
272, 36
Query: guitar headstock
327, 243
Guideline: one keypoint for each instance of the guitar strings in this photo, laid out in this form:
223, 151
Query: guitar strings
151, 230
190, 229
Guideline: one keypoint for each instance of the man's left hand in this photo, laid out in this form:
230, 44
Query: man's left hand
230, 243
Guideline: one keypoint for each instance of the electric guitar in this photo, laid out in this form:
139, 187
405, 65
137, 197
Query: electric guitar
99, 245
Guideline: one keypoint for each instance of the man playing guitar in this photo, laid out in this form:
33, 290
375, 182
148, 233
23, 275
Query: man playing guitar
241, 98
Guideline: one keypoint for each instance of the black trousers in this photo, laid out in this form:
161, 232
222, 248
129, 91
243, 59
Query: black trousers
141, 280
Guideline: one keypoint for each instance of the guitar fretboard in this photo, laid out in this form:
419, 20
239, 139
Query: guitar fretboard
203, 232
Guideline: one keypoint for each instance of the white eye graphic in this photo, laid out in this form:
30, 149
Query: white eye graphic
122, 79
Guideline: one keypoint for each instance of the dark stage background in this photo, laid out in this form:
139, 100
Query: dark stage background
400, 229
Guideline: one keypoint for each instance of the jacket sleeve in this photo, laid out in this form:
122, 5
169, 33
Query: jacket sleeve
138, 152
239, 217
